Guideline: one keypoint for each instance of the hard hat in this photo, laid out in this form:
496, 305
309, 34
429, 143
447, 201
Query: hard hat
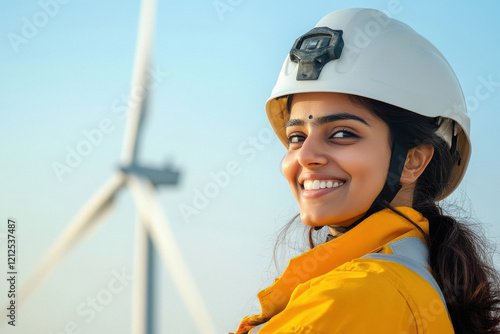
364, 52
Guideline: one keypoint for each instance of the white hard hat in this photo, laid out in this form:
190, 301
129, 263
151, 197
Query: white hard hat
363, 52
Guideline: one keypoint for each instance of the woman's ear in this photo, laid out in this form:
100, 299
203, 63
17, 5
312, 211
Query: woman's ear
416, 161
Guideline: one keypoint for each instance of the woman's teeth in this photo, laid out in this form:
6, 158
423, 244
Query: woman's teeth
317, 184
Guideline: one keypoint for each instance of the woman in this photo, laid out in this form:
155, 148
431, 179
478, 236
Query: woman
376, 129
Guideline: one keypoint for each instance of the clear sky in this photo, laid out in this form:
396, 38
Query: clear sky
65, 73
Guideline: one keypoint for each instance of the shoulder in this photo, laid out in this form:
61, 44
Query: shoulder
374, 282
357, 297
363, 296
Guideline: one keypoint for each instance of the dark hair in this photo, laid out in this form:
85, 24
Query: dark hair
458, 255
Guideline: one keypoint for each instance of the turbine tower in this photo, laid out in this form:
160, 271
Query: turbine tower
152, 230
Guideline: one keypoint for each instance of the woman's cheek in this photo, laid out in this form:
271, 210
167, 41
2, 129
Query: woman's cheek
289, 168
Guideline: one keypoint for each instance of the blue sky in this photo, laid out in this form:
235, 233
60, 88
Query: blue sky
213, 72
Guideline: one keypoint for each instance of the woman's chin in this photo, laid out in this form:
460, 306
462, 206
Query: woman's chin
320, 221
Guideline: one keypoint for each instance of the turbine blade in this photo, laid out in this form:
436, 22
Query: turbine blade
94, 210
158, 228
139, 90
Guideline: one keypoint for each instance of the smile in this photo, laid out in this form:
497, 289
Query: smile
321, 184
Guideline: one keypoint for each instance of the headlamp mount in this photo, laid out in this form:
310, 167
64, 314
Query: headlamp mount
314, 49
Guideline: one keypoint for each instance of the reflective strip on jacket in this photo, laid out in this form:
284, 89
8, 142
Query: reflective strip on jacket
331, 289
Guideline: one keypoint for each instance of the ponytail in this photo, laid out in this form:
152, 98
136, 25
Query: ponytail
458, 261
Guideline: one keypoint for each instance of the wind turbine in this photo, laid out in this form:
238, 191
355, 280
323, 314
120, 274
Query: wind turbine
152, 228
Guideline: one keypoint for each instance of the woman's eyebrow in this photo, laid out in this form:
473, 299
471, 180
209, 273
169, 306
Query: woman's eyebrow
326, 119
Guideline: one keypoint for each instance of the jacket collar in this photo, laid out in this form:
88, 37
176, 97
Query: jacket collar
367, 237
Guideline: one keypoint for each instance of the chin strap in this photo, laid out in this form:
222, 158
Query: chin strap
391, 187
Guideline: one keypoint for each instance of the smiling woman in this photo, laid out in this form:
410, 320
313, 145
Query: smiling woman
376, 133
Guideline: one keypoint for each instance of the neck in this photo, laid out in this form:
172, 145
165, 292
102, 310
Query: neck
337, 231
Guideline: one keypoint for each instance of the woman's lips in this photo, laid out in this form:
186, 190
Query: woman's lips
317, 188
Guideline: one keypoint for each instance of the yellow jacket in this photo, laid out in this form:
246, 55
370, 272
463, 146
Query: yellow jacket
331, 289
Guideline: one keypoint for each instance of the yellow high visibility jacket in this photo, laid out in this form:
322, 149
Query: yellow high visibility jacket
333, 289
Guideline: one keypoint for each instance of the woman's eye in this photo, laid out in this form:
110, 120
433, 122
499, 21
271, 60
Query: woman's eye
293, 139
344, 134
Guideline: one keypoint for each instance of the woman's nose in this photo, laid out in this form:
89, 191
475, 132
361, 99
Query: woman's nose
312, 152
